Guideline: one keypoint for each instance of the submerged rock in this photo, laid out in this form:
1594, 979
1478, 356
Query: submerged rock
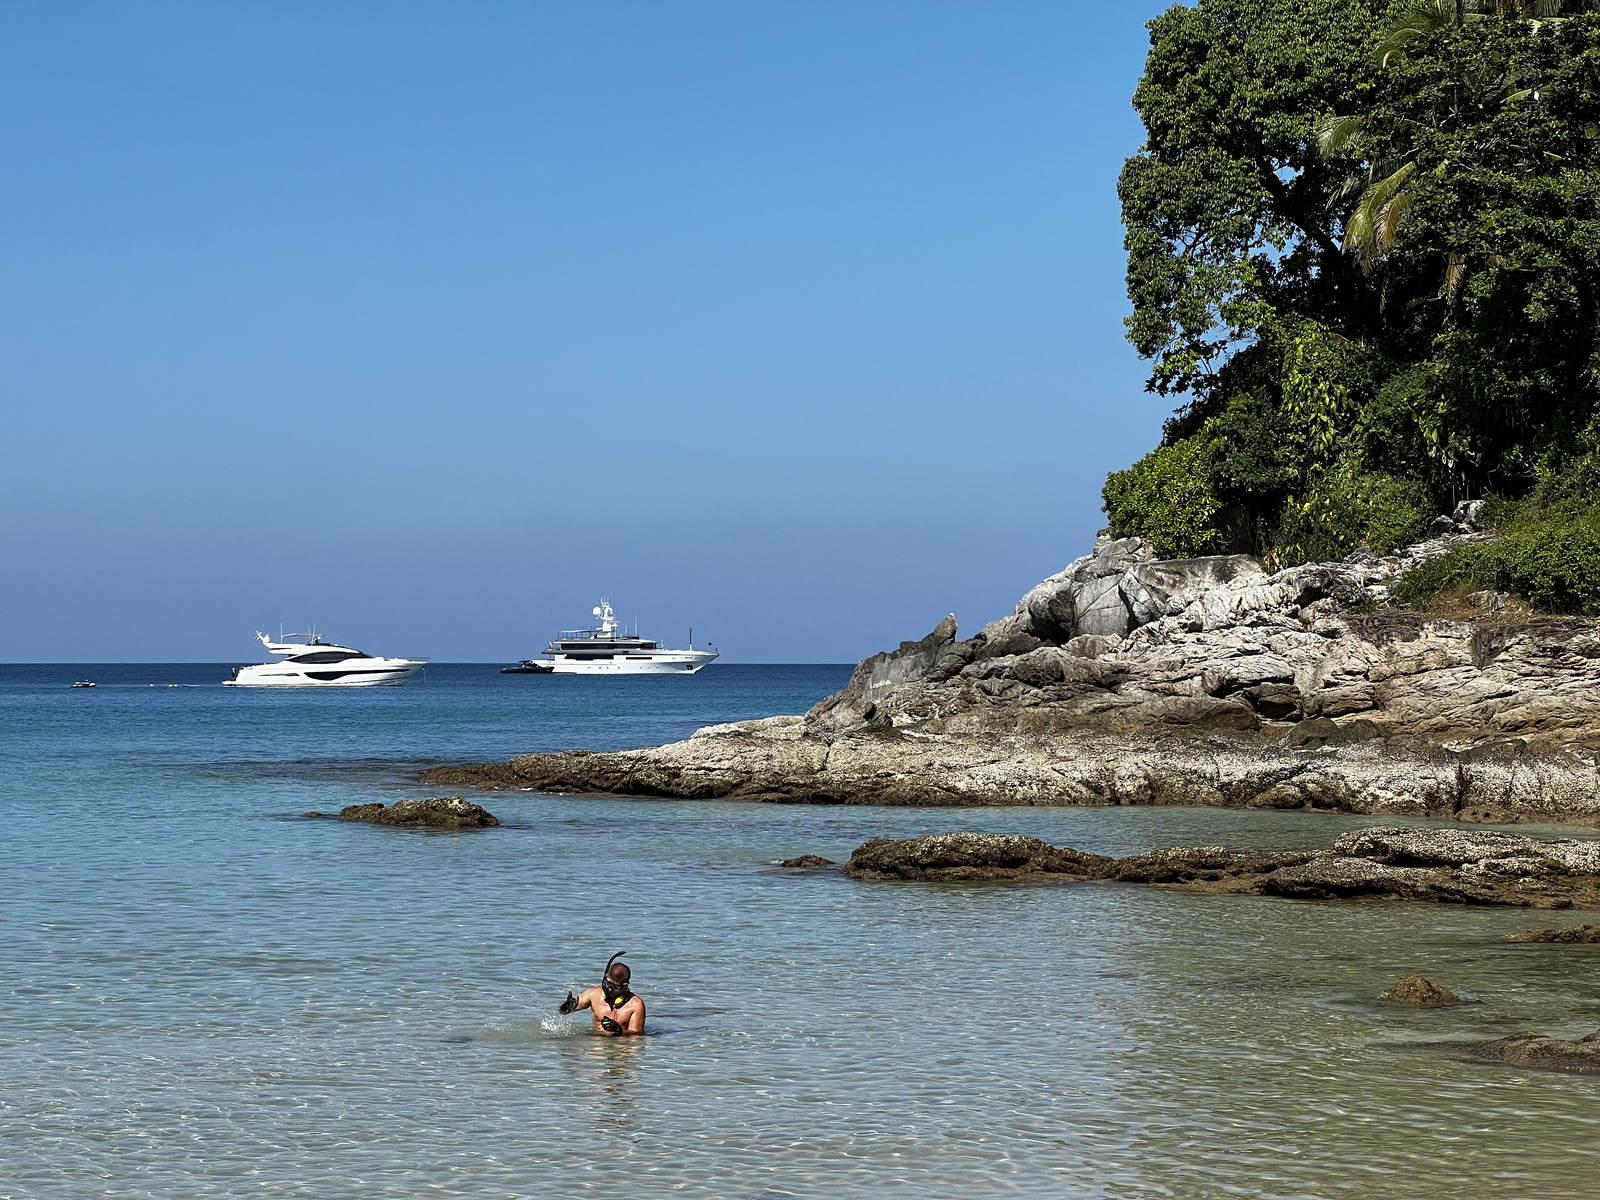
1532, 1050
442, 812
1420, 993
970, 856
1442, 865
808, 860
1579, 934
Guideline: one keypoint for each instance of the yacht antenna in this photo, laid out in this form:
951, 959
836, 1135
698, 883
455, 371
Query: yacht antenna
691, 637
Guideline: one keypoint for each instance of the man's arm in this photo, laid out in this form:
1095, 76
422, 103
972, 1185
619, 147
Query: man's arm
573, 1003
632, 1017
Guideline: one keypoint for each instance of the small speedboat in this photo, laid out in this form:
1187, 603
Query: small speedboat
84, 683
530, 666
312, 662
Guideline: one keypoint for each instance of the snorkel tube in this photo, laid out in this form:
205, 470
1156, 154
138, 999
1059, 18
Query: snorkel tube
615, 990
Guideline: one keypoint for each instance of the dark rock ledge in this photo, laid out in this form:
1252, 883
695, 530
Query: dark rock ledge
1534, 1050
1444, 865
441, 812
1125, 679
1582, 935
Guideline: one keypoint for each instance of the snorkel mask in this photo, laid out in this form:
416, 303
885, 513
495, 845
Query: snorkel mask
615, 990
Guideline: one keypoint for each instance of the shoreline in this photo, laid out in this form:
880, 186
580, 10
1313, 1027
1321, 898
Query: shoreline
1127, 679
773, 760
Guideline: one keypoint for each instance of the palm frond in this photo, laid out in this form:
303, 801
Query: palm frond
1371, 230
1335, 133
1419, 19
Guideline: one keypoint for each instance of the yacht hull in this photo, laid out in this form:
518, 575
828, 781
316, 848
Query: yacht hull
372, 673
659, 662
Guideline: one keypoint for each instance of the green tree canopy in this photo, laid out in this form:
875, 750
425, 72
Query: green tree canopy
1364, 243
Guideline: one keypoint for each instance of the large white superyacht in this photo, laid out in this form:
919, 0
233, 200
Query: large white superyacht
312, 662
602, 650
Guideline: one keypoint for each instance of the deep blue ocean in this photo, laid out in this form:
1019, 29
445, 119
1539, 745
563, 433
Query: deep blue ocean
205, 995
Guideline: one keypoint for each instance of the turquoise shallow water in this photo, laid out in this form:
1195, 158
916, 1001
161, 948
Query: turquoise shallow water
204, 995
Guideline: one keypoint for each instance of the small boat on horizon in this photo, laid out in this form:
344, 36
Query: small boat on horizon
601, 650
313, 662
84, 683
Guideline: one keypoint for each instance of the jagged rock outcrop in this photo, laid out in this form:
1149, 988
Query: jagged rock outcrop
1442, 865
442, 812
1125, 679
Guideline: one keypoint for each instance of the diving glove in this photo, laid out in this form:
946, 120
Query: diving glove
570, 1004
609, 1025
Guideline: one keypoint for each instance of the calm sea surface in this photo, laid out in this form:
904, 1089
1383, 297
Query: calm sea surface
203, 995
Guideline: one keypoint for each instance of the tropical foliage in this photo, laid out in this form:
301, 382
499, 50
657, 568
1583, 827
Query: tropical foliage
1364, 259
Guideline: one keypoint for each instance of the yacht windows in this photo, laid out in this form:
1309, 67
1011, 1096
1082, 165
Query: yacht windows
326, 656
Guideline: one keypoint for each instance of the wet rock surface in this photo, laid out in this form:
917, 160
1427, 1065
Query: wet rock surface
808, 860
1534, 1050
1420, 992
1440, 865
1125, 679
971, 856
443, 812
1583, 935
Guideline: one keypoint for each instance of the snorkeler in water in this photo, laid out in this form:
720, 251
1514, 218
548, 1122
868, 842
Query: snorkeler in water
615, 1009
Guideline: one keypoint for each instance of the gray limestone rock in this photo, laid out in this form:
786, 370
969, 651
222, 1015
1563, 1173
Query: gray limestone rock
1127, 679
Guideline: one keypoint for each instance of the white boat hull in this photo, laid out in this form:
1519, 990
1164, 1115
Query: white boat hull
655, 662
370, 672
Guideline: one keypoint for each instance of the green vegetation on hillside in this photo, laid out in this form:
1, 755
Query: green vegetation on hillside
1364, 257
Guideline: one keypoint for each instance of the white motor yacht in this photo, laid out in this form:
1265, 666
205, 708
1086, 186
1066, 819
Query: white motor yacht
601, 650
312, 662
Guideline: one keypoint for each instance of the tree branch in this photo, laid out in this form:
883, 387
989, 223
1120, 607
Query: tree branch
1279, 191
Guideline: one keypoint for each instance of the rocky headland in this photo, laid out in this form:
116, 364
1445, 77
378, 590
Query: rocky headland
1128, 679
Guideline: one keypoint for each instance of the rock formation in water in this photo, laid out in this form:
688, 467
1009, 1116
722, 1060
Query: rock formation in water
442, 812
968, 856
1420, 992
1572, 935
1125, 679
1445, 865
1530, 1050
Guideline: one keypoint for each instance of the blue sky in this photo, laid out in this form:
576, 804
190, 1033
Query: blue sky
429, 323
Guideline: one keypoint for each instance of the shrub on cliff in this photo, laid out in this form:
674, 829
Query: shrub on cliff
1550, 559
1347, 508
1168, 498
